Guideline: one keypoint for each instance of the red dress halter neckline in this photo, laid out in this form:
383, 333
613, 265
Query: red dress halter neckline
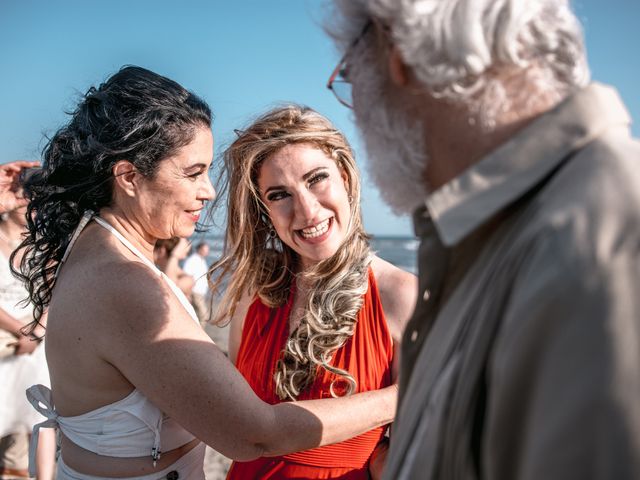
367, 355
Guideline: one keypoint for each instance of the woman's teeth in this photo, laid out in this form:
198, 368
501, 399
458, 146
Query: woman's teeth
316, 230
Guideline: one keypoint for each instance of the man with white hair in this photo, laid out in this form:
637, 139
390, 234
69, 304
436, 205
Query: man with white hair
522, 359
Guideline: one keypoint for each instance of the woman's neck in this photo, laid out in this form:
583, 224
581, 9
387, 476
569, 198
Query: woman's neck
130, 230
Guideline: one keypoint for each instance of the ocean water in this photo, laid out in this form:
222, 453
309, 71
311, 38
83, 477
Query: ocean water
401, 251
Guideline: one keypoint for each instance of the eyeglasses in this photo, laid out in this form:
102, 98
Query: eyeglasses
338, 82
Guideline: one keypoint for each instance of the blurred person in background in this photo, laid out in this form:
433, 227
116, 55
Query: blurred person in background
167, 255
522, 359
11, 176
196, 266
22, 363
314, 312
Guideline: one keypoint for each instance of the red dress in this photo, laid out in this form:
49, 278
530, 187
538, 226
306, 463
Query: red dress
367, 355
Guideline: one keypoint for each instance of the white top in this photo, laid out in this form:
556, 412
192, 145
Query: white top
12, 292
18, 372
130, 427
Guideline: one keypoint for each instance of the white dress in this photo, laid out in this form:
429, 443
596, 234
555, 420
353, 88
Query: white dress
18, 372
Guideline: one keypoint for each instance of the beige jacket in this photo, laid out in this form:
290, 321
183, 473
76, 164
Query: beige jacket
522, 360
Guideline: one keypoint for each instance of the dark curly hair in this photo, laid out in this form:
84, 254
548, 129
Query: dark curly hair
136, 115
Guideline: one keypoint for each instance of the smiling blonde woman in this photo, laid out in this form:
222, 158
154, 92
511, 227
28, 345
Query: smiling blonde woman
314, 313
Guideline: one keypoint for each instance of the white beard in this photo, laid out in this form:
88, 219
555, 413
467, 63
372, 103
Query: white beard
396, 148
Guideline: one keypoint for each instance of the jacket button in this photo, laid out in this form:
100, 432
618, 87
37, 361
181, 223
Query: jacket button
173, 475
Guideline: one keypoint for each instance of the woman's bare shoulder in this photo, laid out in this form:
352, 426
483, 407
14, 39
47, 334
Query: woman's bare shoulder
118, 294
133, 285
398, 292
246, 300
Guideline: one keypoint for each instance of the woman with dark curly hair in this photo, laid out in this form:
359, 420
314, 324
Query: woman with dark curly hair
138, 385
314, 313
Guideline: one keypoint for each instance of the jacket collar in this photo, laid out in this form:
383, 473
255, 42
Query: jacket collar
515, 167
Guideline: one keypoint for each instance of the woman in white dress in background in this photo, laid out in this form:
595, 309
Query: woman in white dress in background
22, 363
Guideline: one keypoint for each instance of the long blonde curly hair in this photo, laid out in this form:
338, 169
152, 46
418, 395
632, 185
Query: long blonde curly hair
257, 262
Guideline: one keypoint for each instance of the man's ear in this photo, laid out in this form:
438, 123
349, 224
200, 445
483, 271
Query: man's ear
398, 70
126, 177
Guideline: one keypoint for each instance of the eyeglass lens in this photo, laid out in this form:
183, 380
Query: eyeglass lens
342, 90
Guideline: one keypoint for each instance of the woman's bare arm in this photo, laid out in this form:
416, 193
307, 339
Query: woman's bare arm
398, 292
166, 355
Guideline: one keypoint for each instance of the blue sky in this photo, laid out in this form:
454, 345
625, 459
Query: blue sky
242, 56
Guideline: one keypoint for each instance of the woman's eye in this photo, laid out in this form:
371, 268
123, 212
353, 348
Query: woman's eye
275, 196
317, 178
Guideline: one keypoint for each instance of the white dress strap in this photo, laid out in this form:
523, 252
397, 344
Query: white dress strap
40, 398
182, 298
106, 225
86, 218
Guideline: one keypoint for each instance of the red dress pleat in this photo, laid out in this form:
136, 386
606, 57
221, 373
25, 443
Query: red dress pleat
367, 355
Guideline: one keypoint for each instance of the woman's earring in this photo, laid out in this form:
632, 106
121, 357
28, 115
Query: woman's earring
350, 199
271, 234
